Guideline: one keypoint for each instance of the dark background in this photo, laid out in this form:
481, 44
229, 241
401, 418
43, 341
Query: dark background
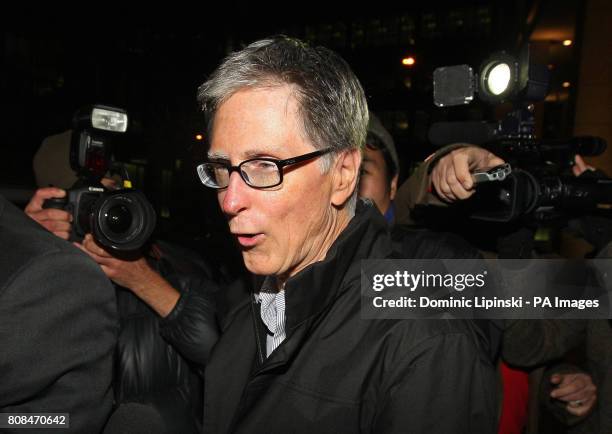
151, 65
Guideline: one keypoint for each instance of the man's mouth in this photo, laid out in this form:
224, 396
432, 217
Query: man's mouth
248, 240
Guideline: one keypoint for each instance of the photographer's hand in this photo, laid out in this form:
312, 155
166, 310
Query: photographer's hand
134, 274
577, 390
56, 221
451, 175
581, 166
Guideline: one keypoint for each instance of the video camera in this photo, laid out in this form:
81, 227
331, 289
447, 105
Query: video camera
122, 219
538, 186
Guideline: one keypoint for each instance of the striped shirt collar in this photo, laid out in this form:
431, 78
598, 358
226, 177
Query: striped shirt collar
272, 312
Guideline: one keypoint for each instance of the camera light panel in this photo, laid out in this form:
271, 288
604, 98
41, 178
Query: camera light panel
109, 120
453, 85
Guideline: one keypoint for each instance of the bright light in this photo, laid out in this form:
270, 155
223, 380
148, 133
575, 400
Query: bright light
199, 136
109, 120
498, 78
566, 84
408, 61
567, 42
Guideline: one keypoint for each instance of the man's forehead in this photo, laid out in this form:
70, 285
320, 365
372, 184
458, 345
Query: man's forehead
371, 155
261, 103
257, 122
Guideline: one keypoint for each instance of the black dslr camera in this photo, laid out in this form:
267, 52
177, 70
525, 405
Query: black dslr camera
539, 186
121, 219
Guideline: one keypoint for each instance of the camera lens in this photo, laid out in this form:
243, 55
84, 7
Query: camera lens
118, 219
123, 220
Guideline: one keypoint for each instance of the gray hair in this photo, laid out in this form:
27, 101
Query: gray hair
331, 101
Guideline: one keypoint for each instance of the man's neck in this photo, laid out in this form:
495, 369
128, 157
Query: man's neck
339, 222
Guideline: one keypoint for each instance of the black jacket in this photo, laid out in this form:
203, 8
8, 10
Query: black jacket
336, 373
58, 327
159, 364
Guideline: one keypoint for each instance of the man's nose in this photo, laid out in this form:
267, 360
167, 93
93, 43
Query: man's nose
235, 197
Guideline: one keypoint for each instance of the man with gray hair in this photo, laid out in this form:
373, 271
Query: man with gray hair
287, 125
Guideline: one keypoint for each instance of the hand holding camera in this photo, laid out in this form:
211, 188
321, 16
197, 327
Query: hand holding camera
121, 220
54, 220
109, 223
451, 176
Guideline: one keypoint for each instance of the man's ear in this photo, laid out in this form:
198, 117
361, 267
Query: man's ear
393, 190
346, 172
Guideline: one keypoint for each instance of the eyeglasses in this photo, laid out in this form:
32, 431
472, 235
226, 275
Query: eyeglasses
255, 172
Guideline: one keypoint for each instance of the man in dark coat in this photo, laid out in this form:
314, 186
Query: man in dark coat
287, 124
58, 327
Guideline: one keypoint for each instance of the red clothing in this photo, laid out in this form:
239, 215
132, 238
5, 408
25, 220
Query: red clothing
513, 418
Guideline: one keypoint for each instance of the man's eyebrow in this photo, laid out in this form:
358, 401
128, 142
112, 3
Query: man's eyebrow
251, 153
367, 159
268, 151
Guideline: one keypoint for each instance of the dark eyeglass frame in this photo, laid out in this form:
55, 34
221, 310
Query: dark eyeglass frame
280, 164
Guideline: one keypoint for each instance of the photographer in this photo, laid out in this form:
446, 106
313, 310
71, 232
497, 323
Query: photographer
379, 169
444, 178
152, 368
378, 183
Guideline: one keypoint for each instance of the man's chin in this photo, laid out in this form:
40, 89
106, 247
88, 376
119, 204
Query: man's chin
257, 263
